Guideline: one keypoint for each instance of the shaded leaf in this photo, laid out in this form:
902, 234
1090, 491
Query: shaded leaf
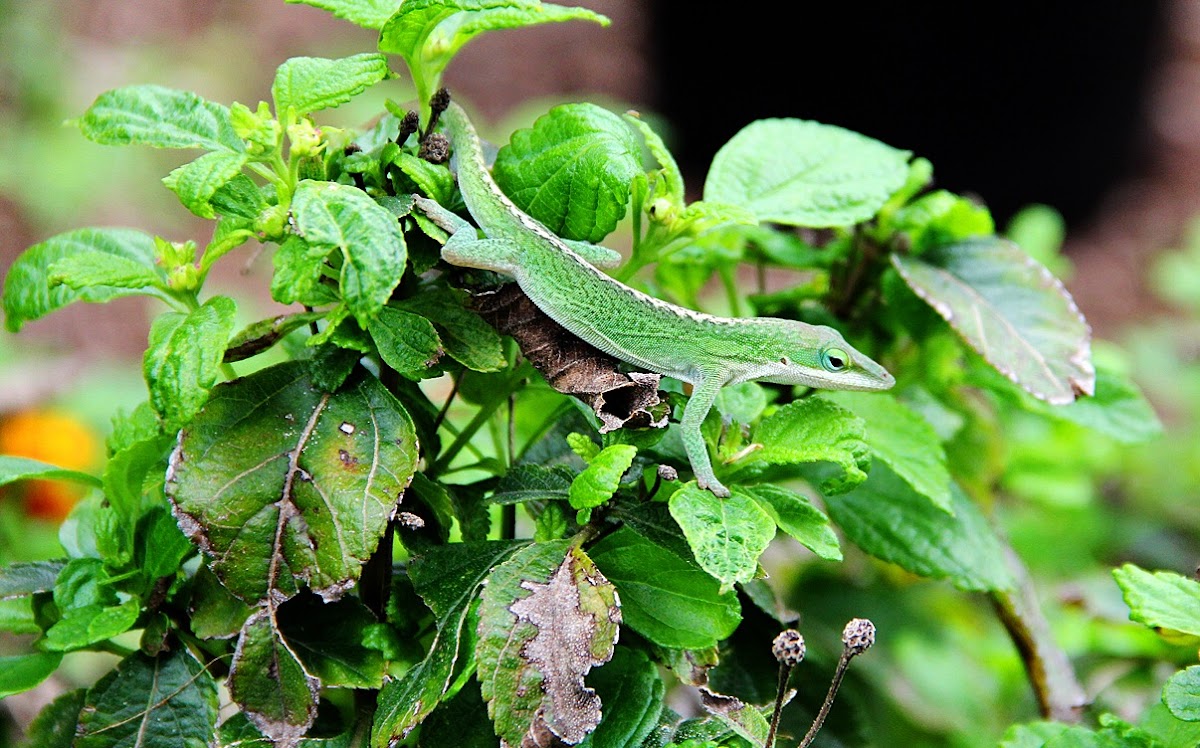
664, 597
27, 578
268, 681
1011, 310
572, 170
215, 612
538, 639
632, 693
796, 515
816, 430
804, 173
281, 484
54, 727
262, 335
532, 483
299, 269
465, 336
740, 717
164, 700
85, 625
1160, 599
367, 234
310, 84
328, 640
158, 117
28, 293
197, 182
888, 519
183, 359
726, 535
407, 342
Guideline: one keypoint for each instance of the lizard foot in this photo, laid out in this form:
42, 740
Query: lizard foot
715, 486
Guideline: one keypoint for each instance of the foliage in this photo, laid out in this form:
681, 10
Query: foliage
335, 537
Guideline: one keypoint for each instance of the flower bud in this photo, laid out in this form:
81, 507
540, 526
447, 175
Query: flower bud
788, 648
858, 636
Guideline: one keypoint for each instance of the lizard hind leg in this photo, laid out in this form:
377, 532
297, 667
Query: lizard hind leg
485, 254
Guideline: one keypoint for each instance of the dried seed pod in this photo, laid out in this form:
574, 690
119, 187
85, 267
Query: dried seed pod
788, 648
858, 636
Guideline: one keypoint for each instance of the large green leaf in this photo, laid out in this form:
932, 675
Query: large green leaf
546, 617
29, 293
282, 484
816, 430
158, 117
888, 519
572, 170
370, 14
197, 182
804, 173
1011, 310
632, 692
1161, 599
150, 701
664, 597
310, 84
367, 234
183, 359
465, 336
268, 681
28, 578
726, 535
904, 441
19, 673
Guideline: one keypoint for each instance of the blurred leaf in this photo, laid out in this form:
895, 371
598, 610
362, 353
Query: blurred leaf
54, 726
197, 182
530, 482
572, 170
665, 598
941, 217
1011, 310
1181, 694
158, 117
744, 719
267, 680
804, 173
888, 519
538, 639
282, 484
89, 624
183, 359
795, 515
1118, 410
368, 236
265, 333
28, 578
726, 535
903, 440
23, 468
370, 14
28, 293
1161, 599
1040, 230
310, 84
815, 430
19, 673
600, 479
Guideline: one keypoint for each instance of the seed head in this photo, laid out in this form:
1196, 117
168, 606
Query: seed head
435, 148
858, 636
788, 648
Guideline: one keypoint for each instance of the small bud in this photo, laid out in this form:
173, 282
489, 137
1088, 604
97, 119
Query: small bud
439, 101
435, 148
858, 636
304, 137
666, 472
408, 125
788, 648
271, 221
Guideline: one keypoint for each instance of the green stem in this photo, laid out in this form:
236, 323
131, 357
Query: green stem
731, 293
112, 647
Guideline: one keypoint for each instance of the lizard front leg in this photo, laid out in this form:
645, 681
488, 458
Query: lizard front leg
704, 394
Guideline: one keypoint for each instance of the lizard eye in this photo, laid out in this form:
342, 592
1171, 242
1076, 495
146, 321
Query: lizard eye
834, 359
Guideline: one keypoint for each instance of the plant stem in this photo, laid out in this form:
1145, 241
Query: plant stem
784, 672
843, 665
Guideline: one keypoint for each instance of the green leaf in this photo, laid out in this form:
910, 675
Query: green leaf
28, 293
1118, 410
370, 14
407, 342
19, 673
726, 535
267, 679
816, 430
742, 718
164, 700
23, 468
465, 336
572, 170
197, 182
54, 727
261, 335
795, 515
1011, 310
240, 197
162, 546
632, 693
328, 639
1161, 600
216, 613
904, 441
282, 484
158, 117
804, 173
461, 722
184, 357
434, 180
83, 626
1181, 694
601, 478
310, 84
368, 235
447, 577
531, 482
28, 578
544, 621
299, 267
664, 597
126, 472
941, 217
888, 519
85, 270
428, 33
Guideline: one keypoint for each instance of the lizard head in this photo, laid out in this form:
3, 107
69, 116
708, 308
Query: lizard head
818, 356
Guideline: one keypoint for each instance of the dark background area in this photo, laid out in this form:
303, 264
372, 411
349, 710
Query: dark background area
1019, 102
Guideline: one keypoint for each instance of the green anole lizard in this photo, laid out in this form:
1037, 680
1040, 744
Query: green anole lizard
707, 351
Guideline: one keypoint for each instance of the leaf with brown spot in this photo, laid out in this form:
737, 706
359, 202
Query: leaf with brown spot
546, 617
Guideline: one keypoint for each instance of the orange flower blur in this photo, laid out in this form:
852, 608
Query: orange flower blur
54, 438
